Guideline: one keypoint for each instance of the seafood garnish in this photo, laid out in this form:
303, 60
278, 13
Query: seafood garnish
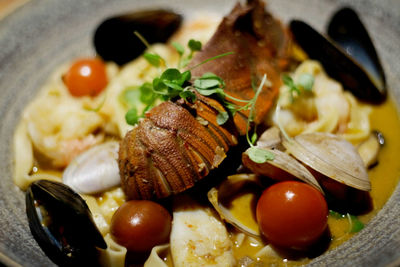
347, 30
114, 39
192, 243
331, 156
95, 170
338, 64
62, 224
283, 167
220, 197
179, 143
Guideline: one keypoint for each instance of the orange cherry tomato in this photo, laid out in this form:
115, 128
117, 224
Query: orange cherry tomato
139, 225
86, 77
292, 214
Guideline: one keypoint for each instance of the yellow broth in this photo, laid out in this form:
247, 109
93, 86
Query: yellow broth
384, 178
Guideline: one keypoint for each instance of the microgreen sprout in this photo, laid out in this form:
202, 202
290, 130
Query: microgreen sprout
154, 59
173, 83
256, 154
304, 84
193, 46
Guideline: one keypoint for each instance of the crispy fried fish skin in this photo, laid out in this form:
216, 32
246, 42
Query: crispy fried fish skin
179, 143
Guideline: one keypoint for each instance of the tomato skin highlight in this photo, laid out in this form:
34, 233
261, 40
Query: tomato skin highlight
139, 225
86, 77
292, 214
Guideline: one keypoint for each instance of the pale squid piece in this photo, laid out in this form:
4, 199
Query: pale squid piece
198, 237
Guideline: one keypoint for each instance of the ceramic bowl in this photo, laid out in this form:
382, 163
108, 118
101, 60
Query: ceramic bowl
43, 34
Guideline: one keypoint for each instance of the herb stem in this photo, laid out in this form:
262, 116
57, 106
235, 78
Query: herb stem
252, 109
209, 59
144, 41
237, 99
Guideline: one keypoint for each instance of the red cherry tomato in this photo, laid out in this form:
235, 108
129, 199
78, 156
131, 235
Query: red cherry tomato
139, 225
86, 77
292, 214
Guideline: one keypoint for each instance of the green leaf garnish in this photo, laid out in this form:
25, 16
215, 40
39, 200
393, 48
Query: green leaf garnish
159, 87
132, 116
153, 59
355, 224
188, 96
254, 138
259, 155
171, 75
206, 83
186, 76
172, 83
130, 96
194, 45
146, 94
305, 83
179, 48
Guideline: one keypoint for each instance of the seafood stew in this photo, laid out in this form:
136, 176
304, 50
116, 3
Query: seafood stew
178, 212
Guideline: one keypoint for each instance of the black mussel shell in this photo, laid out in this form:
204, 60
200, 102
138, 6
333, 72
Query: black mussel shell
337, 63
62, 224
114, 39
347, 30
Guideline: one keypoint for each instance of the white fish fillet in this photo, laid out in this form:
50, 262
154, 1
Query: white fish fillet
198, 237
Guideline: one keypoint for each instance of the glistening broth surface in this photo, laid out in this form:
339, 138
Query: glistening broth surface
384, 178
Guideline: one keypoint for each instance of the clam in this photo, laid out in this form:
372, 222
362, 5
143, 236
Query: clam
95, 170
114, 38
282, 167
62, 224
222, 196
331, 156
270, 138
308, 155
362, 75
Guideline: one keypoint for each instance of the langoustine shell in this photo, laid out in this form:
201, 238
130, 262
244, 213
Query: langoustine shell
179, 143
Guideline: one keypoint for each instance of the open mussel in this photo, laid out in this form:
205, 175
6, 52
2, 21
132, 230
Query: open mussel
363, 77
347, 30
62, 224
114, 38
